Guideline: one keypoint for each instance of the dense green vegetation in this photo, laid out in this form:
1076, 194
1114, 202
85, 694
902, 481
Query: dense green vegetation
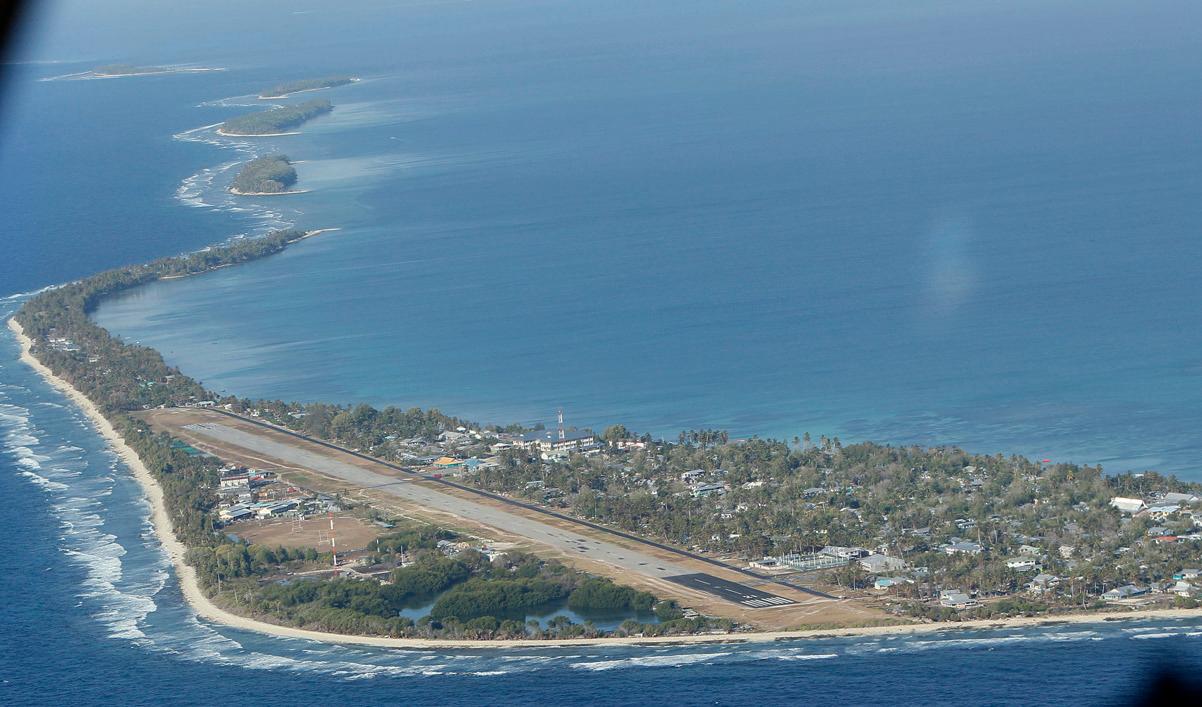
600, 594
499, 598
776, 498
276, 120
271, 174
480, 599
356, 426
281, 90
485, 599
127, 70
424, 579
120, 378
907, 502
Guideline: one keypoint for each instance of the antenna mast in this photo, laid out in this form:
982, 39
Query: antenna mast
333, 546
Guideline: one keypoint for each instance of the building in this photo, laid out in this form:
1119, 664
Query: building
704, 490
235, 482
564, 441
1180, 499
274, 508
962, 548
236, 512
809, 563
1182, 589
956, 599
1162, 511
1128, 505
1126, 591
1043, 582
692, 477
882, 563
768, 563
883, 583
1022, 564
845, 553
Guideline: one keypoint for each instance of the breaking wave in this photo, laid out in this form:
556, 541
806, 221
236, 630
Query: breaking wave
128, 590
208, 188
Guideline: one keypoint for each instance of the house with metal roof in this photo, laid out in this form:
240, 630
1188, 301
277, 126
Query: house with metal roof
552, 441
1128, 505
882, 563
1127, 591
1043, 582
956, 599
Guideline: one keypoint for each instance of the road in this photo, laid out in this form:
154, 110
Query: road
416, 489
420, 494
526, 506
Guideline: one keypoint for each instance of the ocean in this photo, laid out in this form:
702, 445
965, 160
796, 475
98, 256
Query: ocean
933, 223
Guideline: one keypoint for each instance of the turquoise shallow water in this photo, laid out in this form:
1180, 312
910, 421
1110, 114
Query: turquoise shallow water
936, 226
929, 223
93, 615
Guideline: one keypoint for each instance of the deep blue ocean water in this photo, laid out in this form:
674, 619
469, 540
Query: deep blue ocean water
942, 222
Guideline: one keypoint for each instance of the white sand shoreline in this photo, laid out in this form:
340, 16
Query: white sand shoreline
305, 90
267, 193
307, 234
205, 608
223, 133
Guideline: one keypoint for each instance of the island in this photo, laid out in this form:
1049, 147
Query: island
113, 71
129, 70
398, 527
276, 121
472, 591
268, 175
286, 89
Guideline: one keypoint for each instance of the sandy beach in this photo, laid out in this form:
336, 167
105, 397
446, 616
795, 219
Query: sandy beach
223, 133
206, 609
267, 193
303, 90
307, 234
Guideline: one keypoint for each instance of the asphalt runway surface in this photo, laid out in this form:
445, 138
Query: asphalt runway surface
730, 591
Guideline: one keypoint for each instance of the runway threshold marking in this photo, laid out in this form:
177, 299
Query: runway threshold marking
730, 591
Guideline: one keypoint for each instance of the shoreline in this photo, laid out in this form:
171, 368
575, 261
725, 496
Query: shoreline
206, 609
307, 234
158, 72
223, 133
261, 97
235, 192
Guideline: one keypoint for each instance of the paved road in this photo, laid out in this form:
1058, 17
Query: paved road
730, 591
572, 543
659, 569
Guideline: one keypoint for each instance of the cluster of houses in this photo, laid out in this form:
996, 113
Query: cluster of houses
1178, 509
893, 572
695, 481
1186, 583
830, 557
248, 494
447, 453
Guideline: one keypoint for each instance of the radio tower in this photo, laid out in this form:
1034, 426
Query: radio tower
562, 435
333, 546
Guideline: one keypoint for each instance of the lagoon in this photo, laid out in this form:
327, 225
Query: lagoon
848, 233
